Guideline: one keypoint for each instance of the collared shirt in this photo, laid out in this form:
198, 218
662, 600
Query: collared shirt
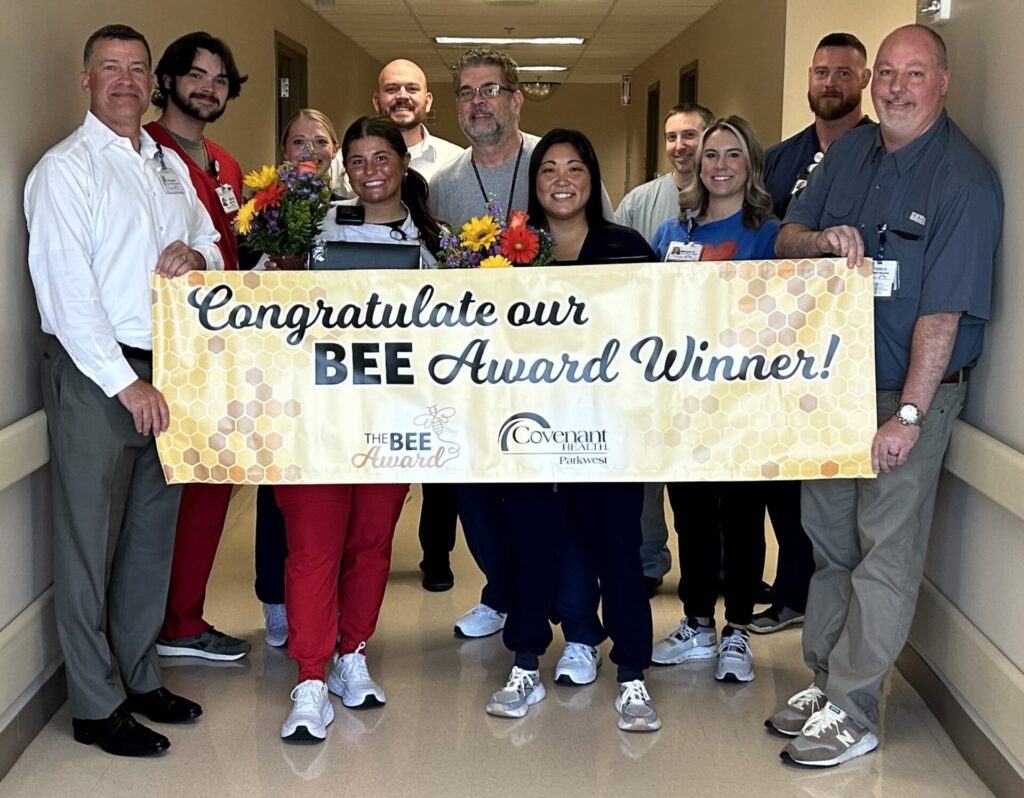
431, 153
648, 205
942, 206
98, 219
789, 160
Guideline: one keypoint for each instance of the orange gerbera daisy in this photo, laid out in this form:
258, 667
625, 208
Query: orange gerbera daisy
269, 197
520, 244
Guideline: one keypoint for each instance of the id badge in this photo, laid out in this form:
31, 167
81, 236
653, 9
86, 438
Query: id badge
228, 201
683, 251
886, 277
170, 182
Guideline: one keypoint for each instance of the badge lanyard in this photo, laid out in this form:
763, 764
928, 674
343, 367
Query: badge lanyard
886, 272
169, 181
511, 191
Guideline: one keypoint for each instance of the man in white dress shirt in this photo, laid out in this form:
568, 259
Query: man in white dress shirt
106, 208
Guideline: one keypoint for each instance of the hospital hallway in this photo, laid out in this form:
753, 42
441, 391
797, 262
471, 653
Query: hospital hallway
433, 737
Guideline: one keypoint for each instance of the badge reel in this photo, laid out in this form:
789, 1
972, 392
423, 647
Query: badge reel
686, 251
170, 182
886, 272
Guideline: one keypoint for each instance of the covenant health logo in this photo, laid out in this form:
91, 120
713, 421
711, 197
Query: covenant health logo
532, 434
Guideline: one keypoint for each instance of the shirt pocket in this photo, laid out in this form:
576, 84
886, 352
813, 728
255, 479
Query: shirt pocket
839, 210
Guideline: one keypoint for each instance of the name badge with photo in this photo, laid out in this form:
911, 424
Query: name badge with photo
683, 251
228, 200
171, 182
886, 277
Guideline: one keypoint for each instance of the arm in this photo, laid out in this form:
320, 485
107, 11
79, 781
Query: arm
800, 241
930, 349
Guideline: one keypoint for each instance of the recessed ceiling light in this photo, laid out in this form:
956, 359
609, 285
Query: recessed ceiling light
543, 69
469, 41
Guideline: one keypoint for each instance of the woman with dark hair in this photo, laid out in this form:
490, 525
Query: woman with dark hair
393, 196
339, 536
562, 539
725, 214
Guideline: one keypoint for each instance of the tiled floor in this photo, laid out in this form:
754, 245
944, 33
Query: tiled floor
434, 739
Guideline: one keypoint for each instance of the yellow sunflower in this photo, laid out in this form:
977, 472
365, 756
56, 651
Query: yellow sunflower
243, 221
496, 262
261, 179
480, 233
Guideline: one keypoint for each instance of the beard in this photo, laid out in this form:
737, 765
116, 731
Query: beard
184, 104
406, 123
824, 109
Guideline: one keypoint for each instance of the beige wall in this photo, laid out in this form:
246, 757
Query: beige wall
808, 20
977, 547
40, 47
739, 48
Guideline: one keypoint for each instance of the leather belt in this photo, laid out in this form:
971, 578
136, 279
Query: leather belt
134, 353
958, 376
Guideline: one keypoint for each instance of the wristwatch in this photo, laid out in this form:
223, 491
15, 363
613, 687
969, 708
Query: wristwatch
909, 415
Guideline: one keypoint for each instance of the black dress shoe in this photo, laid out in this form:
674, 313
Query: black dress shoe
163, 706
120, 734
437, 576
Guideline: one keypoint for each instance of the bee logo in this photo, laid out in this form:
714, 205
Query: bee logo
435, 419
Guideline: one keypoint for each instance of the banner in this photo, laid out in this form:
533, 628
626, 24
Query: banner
654, 372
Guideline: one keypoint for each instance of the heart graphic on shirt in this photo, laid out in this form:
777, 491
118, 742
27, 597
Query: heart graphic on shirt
724, 251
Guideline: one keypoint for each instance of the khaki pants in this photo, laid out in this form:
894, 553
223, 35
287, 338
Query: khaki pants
870, 537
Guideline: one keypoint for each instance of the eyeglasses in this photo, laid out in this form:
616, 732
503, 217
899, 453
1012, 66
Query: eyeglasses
488, 91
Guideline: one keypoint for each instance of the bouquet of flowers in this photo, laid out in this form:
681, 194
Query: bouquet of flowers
285, 213
485, 243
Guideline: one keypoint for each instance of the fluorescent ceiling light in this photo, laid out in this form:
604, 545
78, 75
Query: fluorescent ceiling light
543, 68
469, 41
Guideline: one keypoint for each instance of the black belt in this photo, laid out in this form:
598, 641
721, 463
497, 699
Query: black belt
958, 376
134, 353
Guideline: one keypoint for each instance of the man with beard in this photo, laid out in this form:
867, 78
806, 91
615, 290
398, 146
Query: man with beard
196, 76
835, 80
915, 195
402, 96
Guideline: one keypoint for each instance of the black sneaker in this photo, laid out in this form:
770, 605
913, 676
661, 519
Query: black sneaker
210, 644
776, 617
437, 576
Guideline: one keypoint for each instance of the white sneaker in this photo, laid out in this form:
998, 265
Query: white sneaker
578, 664
480, 621
311, 713
635, 708
350, 680
277, 624
685, 643
523, 689
735, 660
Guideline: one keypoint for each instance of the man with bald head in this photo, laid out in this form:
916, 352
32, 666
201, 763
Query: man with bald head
402, 96
915, 195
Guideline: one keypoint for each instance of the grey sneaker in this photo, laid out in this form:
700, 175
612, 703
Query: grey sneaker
688, 641
521, 691
276, 619
636, 711
775, 618
830, 737
735, 660
578, 664
789, 720
210, 644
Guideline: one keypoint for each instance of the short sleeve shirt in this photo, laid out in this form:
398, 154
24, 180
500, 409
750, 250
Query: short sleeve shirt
942, 207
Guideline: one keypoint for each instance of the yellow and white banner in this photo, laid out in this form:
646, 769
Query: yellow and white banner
655, 372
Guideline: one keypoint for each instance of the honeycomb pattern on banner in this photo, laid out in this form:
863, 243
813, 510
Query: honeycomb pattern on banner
245, 433
776, 307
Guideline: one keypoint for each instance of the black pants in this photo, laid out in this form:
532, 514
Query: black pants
708, 515
481, 508
596, 526
438, 516
271, 547
796, 554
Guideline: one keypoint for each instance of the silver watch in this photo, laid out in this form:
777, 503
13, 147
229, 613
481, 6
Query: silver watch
909, 415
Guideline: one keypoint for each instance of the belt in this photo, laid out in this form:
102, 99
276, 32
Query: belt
134, 353
958, 376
